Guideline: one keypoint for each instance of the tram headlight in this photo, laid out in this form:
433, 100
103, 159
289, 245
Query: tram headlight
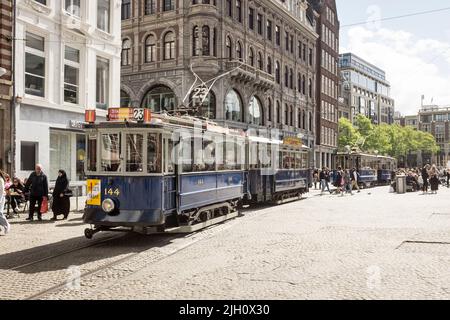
108, 205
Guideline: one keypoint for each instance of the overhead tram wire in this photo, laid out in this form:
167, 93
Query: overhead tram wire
396, 17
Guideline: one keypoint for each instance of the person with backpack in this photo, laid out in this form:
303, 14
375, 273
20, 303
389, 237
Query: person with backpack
355, 179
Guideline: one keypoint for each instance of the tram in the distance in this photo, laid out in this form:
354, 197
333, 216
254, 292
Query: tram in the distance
373, 169
181, 174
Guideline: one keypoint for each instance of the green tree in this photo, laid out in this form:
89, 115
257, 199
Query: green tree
348, 135
393, 140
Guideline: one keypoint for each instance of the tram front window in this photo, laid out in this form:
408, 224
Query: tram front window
110, 152
92, 152
134, 155
153, 153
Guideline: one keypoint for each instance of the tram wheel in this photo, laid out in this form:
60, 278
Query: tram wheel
89, 233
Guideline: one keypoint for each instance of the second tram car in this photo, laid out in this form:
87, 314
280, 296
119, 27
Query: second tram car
180, 174
373, 169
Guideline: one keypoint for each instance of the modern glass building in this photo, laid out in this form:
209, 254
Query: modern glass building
370, 91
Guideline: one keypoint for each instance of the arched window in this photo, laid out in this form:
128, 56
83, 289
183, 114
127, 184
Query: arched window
303, 85
229, 52
233, 106
291, 79
286, 76
195, 41
239, 51
260, 61
269, 109
278, 112
286, 114
291, 116
277, 72
299, 119
214, 40
304, 120
125, 100
207, 109
255, 112
169, 46
206, 41
299, 83
269, 65
126, 52
310, 122
310, 89
251, 57
150, 49
159, 99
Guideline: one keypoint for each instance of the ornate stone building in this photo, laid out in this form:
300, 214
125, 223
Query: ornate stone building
264, 49
6, 90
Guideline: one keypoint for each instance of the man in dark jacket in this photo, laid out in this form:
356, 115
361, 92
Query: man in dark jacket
37, 185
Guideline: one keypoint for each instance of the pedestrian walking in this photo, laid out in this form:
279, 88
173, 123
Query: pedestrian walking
425, 177
37, 185
339, 181
324, 180
348, 182
3, 221
61, 196
434, 179
316, 178
355, 179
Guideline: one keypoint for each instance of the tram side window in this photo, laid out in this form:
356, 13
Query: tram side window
230, 155
253, 155
209, 155
170, 156
92, 152
153, 153
265, 155
240, 154
110, 152
287, 160
298, 160
134, 152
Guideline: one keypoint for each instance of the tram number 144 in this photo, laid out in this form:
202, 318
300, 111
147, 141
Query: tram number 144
111, 192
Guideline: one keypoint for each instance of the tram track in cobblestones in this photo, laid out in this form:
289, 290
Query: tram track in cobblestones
131, 264
63, 253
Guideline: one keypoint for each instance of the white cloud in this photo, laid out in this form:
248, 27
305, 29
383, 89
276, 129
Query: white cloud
413, 66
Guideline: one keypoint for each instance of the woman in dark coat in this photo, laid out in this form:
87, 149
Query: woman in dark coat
425, 177
61, 200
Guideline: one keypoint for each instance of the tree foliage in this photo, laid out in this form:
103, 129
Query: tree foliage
393, 140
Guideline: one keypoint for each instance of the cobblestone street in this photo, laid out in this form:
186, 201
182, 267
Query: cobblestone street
373, 245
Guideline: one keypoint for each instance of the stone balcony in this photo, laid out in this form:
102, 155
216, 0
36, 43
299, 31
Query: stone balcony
248, 74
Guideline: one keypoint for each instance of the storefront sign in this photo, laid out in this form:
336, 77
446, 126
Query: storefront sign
293, 141
73, 124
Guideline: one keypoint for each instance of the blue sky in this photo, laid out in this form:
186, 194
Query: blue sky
414, 51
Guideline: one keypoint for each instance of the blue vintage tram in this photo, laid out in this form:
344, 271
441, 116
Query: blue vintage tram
373, 169
179, 174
